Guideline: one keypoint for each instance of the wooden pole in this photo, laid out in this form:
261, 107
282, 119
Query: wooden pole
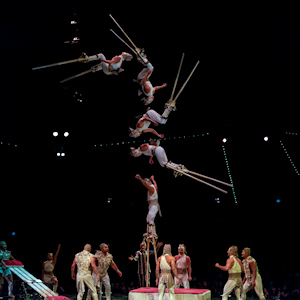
210, 178
124, 42
176, 80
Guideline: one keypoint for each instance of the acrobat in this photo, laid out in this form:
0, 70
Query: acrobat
153, 149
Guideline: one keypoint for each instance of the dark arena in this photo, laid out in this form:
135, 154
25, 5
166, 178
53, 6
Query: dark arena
150, 150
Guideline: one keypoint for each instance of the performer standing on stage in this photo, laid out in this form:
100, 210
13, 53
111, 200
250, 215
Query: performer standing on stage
104, 260
146, 85
5, 272
184, 267
152, 198
252, 278
47, 270
234, 267
113, 66
166, 263
85, 262
141, 258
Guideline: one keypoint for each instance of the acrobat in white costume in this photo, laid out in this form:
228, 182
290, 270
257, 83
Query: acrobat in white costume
153, 149
252, 277
109, 67
184, 268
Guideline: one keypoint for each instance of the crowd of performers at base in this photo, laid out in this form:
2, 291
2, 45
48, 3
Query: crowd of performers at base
171, 271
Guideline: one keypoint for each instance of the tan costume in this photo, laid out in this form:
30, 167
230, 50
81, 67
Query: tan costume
166, 280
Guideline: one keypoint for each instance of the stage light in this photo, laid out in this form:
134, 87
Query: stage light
66, 134
58, 154
278, 201
13, 233
63, 154
55, 133
266, 138
224, 140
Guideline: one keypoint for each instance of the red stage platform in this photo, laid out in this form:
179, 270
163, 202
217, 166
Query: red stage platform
151, 293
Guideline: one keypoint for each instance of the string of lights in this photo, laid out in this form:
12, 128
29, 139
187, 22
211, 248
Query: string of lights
290, 159
229, 173
145, 141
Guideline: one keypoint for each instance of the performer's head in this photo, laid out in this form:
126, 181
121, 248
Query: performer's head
135, 152
134, 133
246, 252
167, 249
127, 56
148, 100
181, 249
3, 245
104, 247
143, 246
88, 247
50, 256
148, 181
233, 250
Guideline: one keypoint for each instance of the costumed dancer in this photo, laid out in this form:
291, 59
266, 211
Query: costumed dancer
113, 66
6, 272
104, 260
146, 85
85, 262
166, 264
153, 205
141, 258
252, 278
184, 267
234, 267
47, 270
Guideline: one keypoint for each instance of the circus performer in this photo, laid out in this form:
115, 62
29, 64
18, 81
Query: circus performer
141, 257
104, 261
85, 262
6, 272
153, 205
234, 267
184, 267
252, 278
153, 149
47, 270
166, 265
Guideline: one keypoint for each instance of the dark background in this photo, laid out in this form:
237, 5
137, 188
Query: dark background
245, 87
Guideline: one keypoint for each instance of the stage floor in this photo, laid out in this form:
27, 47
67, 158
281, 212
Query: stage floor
151, 293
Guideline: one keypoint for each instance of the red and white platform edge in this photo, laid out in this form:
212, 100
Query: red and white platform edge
151, 293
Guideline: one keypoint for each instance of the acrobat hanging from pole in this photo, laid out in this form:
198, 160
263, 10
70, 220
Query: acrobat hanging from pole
152, 117
153, 149
109, 67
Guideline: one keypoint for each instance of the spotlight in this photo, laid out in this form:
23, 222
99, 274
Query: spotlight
58, 154
278, 201
66, 134
13, 233
63, 154
266, 138
55, 133
224, 140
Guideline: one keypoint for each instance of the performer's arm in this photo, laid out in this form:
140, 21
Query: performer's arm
253, 269
149, 187
73, 276
229, 264
159, 87
11, 257
114, 266
157, 271
94, 267
42, 277
174, 269
56, 255
189, 264
154, 182
151, 130
147, 119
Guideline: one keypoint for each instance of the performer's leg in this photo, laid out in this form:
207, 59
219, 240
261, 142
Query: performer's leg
151, 216
246, 288
80, 287
228, 287
185, 281
89, 281
171, 292
161, 156
237, 291
9, 279
55, 283
161, 291
259, 288
106, 282
1, 283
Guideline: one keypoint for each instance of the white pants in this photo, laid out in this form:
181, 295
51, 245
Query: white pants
104, 280
183, 280
228, 288
161, 292
81, 281
258, 288
153, 115
153, 209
